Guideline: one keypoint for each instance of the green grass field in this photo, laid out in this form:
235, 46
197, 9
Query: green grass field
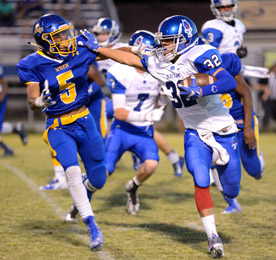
167, 227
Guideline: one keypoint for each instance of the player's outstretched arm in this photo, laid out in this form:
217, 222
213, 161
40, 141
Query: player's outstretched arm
123, 57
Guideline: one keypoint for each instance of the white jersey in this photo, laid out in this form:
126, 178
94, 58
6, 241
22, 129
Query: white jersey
223, 36
141, 90
205, 113
104, 65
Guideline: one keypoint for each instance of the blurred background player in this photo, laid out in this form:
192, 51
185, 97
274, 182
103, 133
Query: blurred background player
134, 94
240, 106
6, 127
226, 31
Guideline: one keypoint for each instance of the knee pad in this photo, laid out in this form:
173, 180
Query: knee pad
231, 191
97, 176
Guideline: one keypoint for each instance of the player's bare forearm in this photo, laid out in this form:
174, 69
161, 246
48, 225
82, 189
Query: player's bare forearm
33, 92
243, 90
123, 57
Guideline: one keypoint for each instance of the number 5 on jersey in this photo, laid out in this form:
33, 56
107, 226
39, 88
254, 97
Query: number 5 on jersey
70, 95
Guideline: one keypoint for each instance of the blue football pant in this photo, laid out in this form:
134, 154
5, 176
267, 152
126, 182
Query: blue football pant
81, 137
198, 158
120, 141
250, 158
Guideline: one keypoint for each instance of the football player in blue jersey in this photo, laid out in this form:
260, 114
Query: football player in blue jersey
6, 127
226, 31
240, 106
96, 106
56, 79
210, 135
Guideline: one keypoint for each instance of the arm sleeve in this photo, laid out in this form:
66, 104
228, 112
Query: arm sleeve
224, 84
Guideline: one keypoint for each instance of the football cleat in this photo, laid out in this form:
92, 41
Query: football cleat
132, 198
8, 152
234, 207
20, 130
96, 235
55, 184
178, 167
215, 246
71, 216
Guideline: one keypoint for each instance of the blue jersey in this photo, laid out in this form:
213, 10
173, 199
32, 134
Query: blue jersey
68, 81
232, 100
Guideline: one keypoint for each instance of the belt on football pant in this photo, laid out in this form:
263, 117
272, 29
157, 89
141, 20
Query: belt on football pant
62, 121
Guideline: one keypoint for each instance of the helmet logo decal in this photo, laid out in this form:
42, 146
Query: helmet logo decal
38, 29
138, 40
187, 28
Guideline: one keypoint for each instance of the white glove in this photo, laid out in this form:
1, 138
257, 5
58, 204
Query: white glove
154, 115
142, 49
45, 99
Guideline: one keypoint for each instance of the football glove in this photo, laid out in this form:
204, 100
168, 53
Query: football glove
242, 52
192, 92
45, 99
142, 49
91, 43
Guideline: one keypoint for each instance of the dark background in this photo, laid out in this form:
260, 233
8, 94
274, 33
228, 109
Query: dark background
146, 15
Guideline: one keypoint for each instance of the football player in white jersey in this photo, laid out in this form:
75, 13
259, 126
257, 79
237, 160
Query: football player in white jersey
134, 95
210, 136
226, 31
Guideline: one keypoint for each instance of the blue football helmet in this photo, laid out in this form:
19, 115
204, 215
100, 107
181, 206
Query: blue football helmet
143, 36
179, 29
55, 35
226, 16
110, 27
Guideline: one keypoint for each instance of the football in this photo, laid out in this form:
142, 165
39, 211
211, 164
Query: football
202, 79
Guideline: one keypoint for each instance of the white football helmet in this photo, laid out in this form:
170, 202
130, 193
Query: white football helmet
226, 16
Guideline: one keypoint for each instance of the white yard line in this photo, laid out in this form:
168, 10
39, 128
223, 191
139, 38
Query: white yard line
103, 255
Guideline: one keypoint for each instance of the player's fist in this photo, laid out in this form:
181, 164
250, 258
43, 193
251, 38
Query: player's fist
154, 115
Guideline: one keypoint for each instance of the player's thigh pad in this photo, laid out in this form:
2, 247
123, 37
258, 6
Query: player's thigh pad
145, 148
63, 142
114, 148
198, 158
